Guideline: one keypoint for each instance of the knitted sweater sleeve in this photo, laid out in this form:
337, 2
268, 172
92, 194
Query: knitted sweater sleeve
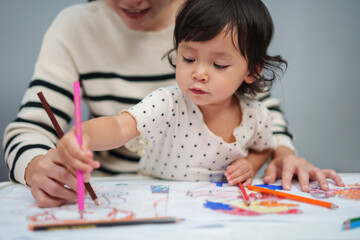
31, 133
282, 136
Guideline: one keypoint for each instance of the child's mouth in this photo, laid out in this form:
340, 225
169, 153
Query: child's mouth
197, 91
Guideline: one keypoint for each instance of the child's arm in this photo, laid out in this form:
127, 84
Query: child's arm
244, 169
97, 134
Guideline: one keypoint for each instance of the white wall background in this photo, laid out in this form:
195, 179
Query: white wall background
319, 92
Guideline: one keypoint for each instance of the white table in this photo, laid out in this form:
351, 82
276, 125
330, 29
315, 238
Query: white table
189, 229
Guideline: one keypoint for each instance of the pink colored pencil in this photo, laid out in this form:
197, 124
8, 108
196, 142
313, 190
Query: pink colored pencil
79, 174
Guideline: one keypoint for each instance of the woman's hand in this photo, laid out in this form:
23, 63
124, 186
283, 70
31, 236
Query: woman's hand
47, 177
285, 164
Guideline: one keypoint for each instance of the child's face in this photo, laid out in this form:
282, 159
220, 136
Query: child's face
144, 15
210, 72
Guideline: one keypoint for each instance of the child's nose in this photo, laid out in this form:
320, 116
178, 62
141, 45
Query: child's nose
200, 74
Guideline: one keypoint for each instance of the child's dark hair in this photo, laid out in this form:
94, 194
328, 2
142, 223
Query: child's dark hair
249, 20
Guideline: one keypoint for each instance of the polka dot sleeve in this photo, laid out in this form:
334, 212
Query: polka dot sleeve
262, 137
152, 113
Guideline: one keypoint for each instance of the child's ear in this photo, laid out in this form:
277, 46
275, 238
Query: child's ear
249, 79
252, 77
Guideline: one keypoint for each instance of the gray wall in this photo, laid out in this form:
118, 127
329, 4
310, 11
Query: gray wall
22, 27
319, 92
320, 39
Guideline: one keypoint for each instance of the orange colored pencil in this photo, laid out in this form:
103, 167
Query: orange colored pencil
293, 197
246, 197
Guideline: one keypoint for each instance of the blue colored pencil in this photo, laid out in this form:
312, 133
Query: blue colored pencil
349, 224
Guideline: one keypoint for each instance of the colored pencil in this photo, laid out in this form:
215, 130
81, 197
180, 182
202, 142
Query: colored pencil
50, 114
92, 193
246, 197
60, 134
351, 224
353, 219
79, 174
100, 223
292, 197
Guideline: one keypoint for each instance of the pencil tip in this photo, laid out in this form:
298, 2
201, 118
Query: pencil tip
334, 206
81, 214
96, 202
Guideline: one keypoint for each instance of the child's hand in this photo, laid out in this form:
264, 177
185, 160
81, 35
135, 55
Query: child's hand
240, 170
74, 157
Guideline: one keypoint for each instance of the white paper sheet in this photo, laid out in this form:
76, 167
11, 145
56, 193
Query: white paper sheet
178, 199
116, 201
206, 201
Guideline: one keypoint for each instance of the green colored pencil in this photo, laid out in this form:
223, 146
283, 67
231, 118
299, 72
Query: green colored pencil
352, 220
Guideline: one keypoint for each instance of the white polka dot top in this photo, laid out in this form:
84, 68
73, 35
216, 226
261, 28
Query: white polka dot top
177, 145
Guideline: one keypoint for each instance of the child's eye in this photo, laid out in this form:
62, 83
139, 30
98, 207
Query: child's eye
189, 60
220, 66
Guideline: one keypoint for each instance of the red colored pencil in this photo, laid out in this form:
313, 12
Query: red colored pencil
246, 197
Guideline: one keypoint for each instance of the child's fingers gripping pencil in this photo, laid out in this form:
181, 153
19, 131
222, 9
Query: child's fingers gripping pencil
60, 134
79, 139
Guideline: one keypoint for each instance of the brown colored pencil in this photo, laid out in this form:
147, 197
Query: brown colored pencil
82, 224
292, 196
60, 134
92, 193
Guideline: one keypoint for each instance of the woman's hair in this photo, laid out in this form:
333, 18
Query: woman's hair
250, 25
